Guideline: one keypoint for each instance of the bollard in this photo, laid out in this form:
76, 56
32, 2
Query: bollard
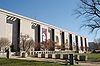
8, 53
76, 57
71, 59
57, 56
82, 58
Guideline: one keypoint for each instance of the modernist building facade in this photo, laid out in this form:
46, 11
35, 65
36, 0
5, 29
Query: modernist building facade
12, 25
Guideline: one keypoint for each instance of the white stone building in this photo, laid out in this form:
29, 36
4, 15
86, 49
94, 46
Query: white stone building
12, 25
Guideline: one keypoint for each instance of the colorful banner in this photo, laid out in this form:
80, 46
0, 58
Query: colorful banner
44, 37
44, 34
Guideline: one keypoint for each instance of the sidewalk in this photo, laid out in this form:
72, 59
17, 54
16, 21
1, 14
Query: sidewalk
39, 59
59, 61
89, 64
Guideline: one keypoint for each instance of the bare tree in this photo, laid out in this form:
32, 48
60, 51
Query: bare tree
4, 43
26, 43
61, 47
90, 9
46, 45
29, 44
50, 45
37, 46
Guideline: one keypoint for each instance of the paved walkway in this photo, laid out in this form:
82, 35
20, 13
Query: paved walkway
39, 59
89, 64
57, 60
60, 61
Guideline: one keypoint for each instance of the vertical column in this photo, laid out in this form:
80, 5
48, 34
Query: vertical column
81, 43
16, 35
53, 35
38, 33
70, 42
37, 37
85, 44
62, 41
73, 42
53, 38
66, 40
77, 47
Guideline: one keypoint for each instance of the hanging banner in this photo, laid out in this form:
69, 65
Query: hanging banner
44, 37
44, 34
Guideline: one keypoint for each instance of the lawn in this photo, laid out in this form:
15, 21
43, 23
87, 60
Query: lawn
93, 57
16, 62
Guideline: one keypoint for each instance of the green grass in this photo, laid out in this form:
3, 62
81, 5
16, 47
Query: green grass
93, 57
17, 62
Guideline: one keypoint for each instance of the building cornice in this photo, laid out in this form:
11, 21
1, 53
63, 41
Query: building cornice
36, 21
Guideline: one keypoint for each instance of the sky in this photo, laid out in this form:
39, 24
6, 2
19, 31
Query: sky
56, 12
